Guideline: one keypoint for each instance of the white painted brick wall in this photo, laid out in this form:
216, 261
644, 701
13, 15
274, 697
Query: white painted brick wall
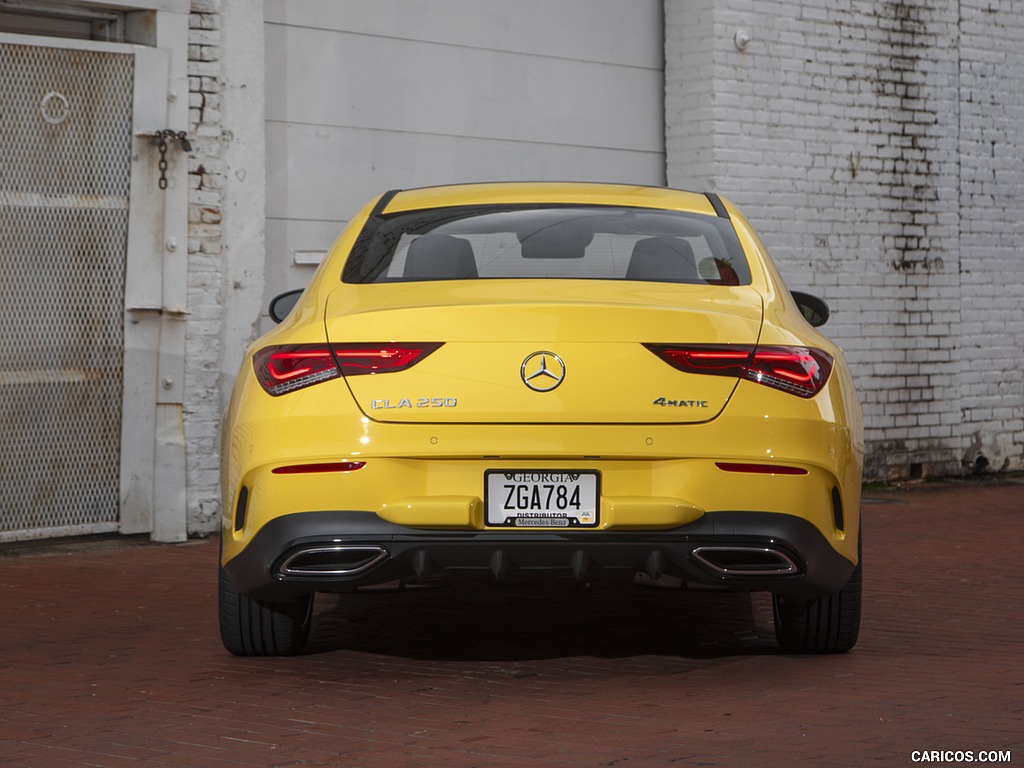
876, 148
205, 267
225, 247
992, 231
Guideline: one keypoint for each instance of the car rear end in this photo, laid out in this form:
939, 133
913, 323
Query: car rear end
530, 384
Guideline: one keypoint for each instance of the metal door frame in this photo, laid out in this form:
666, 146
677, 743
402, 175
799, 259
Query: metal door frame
152, 472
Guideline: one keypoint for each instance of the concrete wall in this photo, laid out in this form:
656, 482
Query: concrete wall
876, 148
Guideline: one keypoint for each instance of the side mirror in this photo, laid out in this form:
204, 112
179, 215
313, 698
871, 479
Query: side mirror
814, 310
283, 303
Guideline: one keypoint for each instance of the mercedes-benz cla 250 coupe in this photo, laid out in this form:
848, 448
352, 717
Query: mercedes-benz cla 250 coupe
537, 382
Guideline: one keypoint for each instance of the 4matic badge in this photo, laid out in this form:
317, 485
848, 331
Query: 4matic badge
665, 402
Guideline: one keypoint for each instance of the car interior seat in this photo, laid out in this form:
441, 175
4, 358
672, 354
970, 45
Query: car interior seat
663, 259
440, 257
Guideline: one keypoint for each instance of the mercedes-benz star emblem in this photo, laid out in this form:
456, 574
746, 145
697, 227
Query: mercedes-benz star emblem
543, 371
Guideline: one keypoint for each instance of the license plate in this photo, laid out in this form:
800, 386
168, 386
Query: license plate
541, 498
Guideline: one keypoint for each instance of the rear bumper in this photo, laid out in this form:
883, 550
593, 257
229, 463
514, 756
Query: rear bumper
338, 551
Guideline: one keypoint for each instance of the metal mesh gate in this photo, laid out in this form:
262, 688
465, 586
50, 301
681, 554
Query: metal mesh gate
65, 144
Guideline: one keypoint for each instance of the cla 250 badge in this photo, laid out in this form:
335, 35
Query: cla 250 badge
415, 402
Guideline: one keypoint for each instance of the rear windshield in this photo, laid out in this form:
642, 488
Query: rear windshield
569, 242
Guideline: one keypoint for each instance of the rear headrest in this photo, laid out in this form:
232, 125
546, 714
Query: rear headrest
663, 259
440, 257
562, 240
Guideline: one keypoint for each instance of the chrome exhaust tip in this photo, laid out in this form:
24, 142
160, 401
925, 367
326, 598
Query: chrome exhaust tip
332, 560
745, 561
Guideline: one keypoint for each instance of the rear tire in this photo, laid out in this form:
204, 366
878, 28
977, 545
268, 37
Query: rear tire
251, 627
828, 624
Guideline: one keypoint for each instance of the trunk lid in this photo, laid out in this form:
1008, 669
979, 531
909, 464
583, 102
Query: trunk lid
542, 351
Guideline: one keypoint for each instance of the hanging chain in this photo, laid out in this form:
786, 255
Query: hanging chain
160, 142
162, 165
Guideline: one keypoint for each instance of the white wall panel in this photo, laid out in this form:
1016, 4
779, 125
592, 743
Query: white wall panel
324, 77
366, 96
302, 186
614, 31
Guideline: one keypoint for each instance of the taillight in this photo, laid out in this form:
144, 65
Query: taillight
356, 359
797, 370
705, 358
286, 368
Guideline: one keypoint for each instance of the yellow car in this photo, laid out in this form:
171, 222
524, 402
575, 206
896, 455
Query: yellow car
534, 382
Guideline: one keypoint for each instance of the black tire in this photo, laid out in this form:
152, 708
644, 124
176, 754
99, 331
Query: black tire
258, 628
828, 624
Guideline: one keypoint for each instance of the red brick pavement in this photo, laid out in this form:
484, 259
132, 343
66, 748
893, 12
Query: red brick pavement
109, 656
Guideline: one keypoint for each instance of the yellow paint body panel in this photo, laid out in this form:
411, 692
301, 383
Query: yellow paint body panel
411, 464
491, 326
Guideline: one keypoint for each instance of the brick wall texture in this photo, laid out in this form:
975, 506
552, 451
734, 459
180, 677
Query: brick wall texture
877, 148
206, 268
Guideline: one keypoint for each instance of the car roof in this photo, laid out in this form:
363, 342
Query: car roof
547, 192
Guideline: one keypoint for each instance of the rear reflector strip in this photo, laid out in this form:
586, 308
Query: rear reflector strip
760, 469
302, 469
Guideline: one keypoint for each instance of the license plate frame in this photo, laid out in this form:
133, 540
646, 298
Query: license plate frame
560, 499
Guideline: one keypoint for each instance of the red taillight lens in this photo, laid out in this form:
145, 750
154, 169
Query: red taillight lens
289, 367
356, 359
718, 360
797, 370
284, 369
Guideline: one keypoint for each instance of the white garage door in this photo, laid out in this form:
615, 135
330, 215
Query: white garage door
366, 97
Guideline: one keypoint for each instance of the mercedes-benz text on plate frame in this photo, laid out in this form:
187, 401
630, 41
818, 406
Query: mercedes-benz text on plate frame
543, 371
529, 498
